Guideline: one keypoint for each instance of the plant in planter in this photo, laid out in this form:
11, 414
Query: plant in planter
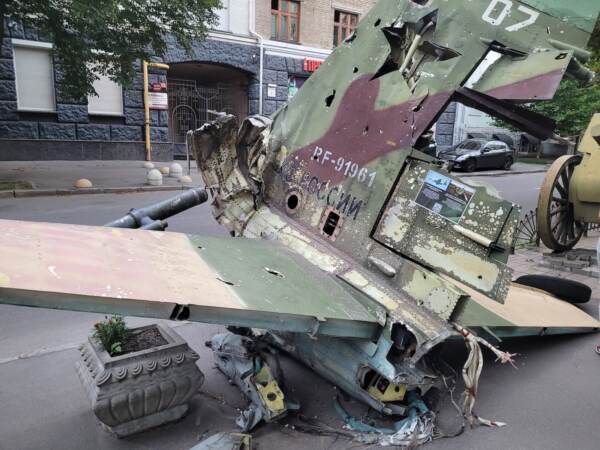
137, 378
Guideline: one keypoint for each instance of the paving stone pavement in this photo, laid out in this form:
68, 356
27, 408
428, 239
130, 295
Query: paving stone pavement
530, 261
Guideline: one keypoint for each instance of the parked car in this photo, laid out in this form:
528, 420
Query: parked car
474, 154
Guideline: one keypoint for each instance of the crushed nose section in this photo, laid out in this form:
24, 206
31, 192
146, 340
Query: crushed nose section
252, 368
231, 164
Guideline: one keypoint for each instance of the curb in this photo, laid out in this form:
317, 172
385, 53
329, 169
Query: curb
494, 174
24, 193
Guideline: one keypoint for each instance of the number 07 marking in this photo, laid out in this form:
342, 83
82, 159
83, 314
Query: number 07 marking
506, 9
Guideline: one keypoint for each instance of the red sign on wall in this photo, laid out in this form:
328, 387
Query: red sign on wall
310, 65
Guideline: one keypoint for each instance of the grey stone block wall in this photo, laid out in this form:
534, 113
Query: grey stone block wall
125, 133
277, 71
72, 122
8, 110
93, 132
103, 137
19, 130
8, 90
64, 131
72, 113
444, 131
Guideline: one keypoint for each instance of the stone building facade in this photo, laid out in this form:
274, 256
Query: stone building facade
222, 73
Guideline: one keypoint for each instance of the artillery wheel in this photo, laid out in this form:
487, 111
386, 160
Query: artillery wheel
557, 226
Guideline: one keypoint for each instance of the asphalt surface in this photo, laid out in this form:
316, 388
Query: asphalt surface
550, 402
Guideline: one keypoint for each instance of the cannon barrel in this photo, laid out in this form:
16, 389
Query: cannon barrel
152, 217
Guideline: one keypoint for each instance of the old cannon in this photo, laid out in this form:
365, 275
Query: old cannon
569, 199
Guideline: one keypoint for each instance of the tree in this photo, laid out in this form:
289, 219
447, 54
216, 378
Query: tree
106, 37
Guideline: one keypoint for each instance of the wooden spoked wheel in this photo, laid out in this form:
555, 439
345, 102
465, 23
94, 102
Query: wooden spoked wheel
557, 227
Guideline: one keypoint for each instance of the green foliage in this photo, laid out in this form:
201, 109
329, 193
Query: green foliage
111, 334
108, 36
572, 107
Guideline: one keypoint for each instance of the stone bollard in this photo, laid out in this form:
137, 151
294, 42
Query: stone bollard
83, 183
175, 170
154, 178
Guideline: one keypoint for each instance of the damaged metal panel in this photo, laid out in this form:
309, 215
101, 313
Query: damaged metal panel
244, 363
457, 229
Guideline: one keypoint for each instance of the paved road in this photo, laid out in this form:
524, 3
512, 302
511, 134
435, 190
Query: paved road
550, 402
103, 208
520, 189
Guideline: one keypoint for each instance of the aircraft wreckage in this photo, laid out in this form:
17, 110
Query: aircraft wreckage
356, 253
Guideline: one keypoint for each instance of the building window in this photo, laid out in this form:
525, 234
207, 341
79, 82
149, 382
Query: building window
233, 17
344, 25
285, 20
34, 75
109, 101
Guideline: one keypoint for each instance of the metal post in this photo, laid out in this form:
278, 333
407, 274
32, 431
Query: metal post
145, 65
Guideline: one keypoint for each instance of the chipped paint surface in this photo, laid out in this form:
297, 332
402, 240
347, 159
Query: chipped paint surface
4, 280
455, 228
434, 293
362, 284
474, 270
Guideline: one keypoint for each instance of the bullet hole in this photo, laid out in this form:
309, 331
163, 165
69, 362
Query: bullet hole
377, 22
388, 66
292, 201
229, 283
480, 277
366, 130
331, 223
561, 56
355, 70
184, 314
180, 313
200, 247
274, 272
329, 99
271, 397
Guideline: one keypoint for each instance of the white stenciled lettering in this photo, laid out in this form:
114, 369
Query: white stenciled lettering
349, 168
499, 10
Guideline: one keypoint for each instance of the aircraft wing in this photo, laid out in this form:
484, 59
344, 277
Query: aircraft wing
526, 312
228, 281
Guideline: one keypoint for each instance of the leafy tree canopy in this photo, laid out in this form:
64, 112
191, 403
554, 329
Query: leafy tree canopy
106, 37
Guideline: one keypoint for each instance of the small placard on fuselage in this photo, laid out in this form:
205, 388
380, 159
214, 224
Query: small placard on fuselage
444, 196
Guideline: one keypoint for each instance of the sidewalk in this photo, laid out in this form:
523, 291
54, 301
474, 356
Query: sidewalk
526, 262
58, 177
517, 168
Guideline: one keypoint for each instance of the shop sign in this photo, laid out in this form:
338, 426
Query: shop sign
157, 96
158, 100
310, 65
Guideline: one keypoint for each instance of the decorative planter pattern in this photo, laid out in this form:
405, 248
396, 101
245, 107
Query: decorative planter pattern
140, 390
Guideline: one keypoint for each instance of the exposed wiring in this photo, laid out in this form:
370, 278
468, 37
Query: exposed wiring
472, 371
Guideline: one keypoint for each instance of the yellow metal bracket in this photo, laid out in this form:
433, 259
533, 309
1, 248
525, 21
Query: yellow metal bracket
385, 391
269, 391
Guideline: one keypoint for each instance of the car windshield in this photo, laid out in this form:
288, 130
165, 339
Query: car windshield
468, 146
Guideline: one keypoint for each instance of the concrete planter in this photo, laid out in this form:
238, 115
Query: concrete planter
140, 390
